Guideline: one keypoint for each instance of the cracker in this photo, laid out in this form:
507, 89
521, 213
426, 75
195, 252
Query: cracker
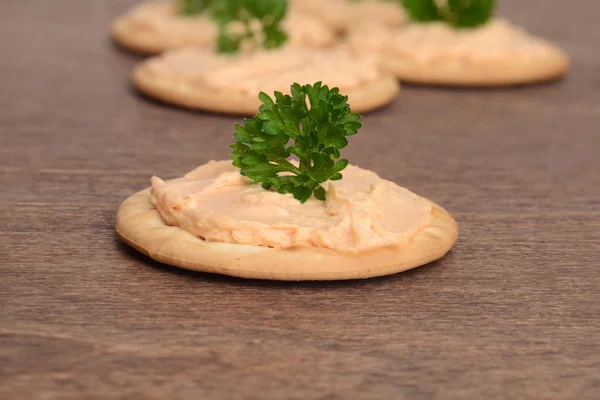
140, 225
497, 54
143, 35
191, 94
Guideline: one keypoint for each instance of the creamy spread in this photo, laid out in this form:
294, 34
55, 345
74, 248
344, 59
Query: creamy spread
264, 70
346, 12
161, 19
362, 211
496, 41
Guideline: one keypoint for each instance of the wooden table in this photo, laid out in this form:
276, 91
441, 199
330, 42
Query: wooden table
512, 312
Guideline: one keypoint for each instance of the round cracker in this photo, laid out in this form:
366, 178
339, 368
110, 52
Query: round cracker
192, 95
127, 33
472, 74
140, 226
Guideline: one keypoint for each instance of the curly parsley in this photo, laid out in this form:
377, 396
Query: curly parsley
458, 13
317, 130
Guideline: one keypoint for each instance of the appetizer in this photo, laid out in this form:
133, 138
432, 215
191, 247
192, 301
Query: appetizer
257, 58
287, 206
155, 26
458, 43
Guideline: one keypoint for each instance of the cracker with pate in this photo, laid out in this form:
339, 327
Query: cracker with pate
201, 79
155, 26
140, 226
495, 54
267, 215
460, 44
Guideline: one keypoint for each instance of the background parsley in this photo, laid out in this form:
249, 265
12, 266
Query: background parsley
260, 21
458, 13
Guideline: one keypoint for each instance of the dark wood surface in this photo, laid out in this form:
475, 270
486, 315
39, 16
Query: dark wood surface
512, 312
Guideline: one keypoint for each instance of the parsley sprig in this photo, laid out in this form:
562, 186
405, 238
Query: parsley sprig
317, 130
457, 13
260, 21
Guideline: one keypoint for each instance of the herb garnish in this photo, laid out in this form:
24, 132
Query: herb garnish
318, 131
458, 13
260, 21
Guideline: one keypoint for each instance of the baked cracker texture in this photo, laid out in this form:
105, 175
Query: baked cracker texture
140, 225
193, 95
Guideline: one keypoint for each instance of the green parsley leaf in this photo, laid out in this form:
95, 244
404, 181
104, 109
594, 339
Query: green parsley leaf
192, 7
259, 20
458, 13
317, 131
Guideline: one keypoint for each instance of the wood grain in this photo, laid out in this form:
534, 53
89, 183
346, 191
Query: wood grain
513, 312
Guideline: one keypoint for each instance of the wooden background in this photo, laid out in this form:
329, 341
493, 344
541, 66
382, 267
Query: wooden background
512, 312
